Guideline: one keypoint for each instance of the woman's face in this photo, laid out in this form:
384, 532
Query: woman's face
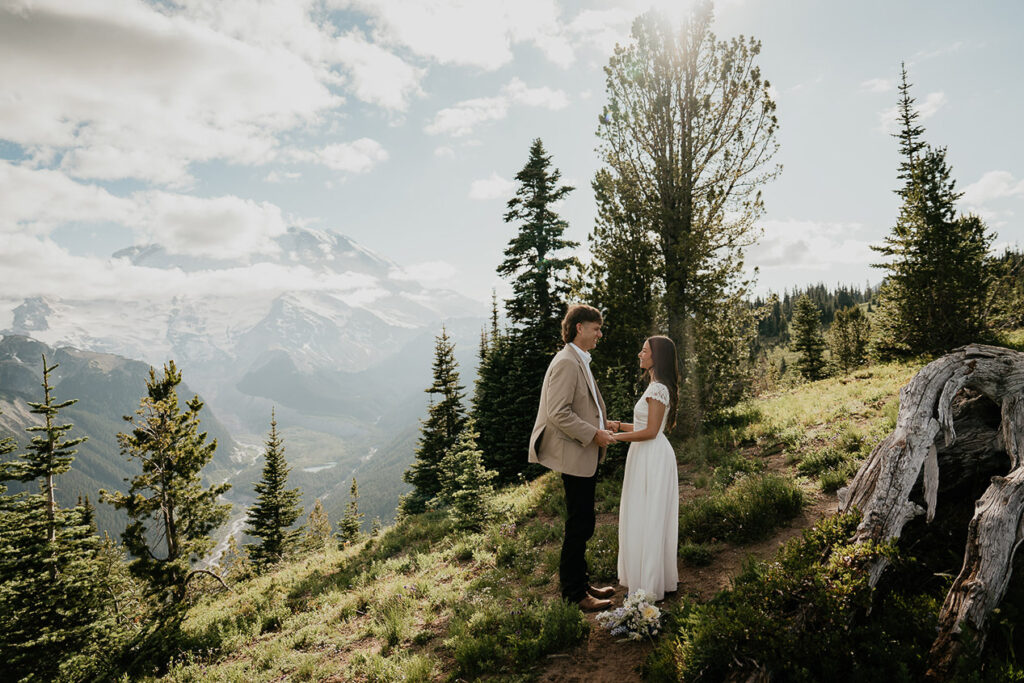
646, 357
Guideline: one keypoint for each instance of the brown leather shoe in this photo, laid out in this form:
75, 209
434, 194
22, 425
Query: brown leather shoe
592, 604
601, 593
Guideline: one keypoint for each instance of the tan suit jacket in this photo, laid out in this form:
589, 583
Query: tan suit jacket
567, 419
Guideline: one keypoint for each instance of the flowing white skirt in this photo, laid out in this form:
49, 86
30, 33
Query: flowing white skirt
649, 519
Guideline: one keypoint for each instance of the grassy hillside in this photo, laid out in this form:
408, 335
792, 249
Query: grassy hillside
425, 601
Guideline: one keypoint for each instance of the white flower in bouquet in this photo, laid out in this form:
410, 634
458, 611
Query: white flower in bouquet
636, 619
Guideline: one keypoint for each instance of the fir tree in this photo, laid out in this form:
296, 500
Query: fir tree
622, 281
490, 395
466, 488
375, 527
56, 618
807, 339
934, 293
445, 419
318, 528
537, 266
170, 512
848, 338
352, 522
276, 509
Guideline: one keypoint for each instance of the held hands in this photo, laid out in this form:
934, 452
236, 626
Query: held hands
603, 437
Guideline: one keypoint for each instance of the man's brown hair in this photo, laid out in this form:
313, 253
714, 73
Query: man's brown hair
578, 313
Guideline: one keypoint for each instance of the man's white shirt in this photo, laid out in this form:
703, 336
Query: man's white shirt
590, 378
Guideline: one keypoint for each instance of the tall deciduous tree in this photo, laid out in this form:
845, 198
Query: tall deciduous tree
277, 507
689, 130
933, 299
170, 512
445, 420
807, 339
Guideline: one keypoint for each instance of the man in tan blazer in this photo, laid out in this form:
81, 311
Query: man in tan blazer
570, 436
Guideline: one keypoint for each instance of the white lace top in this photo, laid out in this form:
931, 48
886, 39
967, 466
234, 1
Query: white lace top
659, 392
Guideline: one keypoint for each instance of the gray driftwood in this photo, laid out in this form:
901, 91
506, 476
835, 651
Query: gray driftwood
927, 447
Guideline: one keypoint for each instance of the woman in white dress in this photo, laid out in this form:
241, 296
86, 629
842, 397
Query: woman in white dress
649, 507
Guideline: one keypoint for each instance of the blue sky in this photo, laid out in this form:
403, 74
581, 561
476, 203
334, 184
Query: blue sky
210, 127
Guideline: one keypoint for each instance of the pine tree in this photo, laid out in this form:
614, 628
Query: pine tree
375, 527
848, 338
351, 524
276, 509
807, 339
622, 281
934, 293
56, 618
490, 395
170, 512
538, 269
466, 488
318, 528
445, 419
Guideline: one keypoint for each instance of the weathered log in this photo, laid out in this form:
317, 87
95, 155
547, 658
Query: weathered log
939, 435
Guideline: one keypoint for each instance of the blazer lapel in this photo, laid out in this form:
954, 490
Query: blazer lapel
586, 379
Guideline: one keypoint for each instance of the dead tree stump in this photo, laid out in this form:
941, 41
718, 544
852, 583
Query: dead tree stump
926, 445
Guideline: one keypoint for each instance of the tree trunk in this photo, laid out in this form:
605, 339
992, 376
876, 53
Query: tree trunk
927, 443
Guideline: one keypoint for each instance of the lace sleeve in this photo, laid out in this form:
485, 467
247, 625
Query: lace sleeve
658, 392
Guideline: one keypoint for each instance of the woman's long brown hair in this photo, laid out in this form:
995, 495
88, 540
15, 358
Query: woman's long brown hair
665, 369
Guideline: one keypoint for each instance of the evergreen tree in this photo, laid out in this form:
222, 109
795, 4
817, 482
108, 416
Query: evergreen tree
466, 488
276, 509
687, 136
622, 281
497, 442
848, 338
537, 267
445, 419
375, 527
933, 298
56, 618
352, 522
807, 339
318, 528
170, 512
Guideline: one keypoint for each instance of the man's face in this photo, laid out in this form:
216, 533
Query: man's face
587, 335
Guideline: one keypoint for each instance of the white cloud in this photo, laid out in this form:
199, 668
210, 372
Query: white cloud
602, 29
888, 120
993, 185
114, 89
477, 33
427, 274
358, 156
810, 245
282, 176
37, 200
879, 85
444, 152
493, 187
461, 119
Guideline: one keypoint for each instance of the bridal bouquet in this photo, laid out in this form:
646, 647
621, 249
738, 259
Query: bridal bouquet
636, 619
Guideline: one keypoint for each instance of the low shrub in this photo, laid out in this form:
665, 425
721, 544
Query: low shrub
696, 554
746, 511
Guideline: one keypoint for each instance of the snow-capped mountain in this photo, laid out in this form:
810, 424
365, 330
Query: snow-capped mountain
336, 338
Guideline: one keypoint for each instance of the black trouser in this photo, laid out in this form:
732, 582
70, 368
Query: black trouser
579, 527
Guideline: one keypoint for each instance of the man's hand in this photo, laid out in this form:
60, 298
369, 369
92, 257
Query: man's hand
603, 437
612, 425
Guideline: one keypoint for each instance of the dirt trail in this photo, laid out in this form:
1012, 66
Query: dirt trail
609, 659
